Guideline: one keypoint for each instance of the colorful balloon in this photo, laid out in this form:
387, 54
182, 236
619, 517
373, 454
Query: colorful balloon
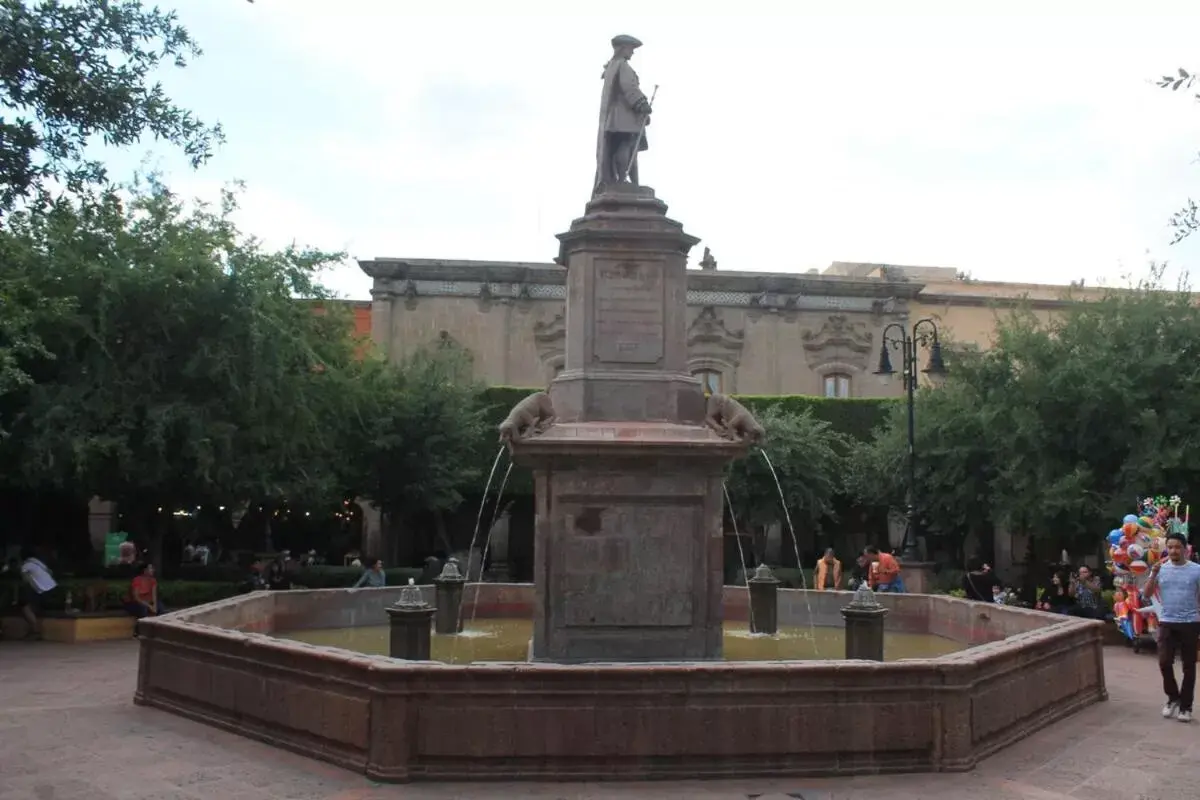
1130, 529
1129, 518
1114, 536
1138, 567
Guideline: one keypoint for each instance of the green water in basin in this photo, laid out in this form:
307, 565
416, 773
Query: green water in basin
508, 640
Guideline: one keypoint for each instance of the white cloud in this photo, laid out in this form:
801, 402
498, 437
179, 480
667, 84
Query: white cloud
998, 139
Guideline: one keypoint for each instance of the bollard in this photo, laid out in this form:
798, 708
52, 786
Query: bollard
449, 593
864, 625
764, 601
410, 617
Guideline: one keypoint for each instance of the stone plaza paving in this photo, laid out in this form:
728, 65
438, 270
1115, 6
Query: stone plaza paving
69, 731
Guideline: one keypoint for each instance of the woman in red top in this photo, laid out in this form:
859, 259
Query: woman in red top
143, 594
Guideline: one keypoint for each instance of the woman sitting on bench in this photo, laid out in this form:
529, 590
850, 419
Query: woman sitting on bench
143, 594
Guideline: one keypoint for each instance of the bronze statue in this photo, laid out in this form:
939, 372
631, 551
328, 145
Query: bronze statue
531, 416
624, 115
731, 420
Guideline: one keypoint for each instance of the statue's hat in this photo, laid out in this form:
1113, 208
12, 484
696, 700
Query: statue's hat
624, 40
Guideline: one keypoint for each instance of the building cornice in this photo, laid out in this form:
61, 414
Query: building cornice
397, 271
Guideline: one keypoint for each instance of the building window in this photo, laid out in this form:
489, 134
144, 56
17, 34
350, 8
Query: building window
710, 379
837, 385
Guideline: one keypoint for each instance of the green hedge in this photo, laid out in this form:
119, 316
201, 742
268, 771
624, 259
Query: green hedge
174, 594
328, 577
856, 417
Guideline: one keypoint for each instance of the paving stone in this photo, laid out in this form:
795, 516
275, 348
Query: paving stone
69, 729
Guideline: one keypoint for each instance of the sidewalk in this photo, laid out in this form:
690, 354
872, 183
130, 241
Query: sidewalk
69, 731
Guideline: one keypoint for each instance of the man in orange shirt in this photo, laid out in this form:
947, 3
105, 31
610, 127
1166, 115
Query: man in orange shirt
885, 571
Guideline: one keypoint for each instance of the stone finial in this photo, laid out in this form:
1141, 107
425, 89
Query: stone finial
708, 263
864, 598
763, 574
411, 597
450, 571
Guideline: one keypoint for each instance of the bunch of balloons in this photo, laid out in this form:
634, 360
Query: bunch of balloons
1133, 549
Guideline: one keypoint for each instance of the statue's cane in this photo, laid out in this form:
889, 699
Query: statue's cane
641, 134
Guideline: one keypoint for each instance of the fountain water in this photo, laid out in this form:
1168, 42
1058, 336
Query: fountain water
741, 555
795, 543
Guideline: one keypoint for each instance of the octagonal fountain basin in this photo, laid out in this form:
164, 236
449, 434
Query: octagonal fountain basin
971, 679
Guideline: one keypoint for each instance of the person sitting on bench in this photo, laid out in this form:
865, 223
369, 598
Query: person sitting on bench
143, 598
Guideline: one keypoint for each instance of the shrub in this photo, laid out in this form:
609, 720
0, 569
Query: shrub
174, 594
333, 577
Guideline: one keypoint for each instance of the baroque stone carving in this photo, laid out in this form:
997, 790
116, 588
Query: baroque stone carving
531, 416
550, 337
410, 294
708, 263
730, 420
708, 331
840, 333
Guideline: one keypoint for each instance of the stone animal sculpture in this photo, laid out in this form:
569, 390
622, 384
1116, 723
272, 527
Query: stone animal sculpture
531, 416
731, 420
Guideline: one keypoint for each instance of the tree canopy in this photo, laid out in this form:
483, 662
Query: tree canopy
1185, 221
1057, 428
808, 456
73, 74
169, 361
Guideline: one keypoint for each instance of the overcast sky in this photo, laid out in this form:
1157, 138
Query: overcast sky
1020, 146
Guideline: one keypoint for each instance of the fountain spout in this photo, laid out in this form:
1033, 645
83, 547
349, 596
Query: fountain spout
764, 601
864, 625
409, 618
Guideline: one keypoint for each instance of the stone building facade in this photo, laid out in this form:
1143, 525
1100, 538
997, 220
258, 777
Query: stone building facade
749, 332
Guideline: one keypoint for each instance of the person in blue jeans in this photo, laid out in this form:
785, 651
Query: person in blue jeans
1178, 582
885, 571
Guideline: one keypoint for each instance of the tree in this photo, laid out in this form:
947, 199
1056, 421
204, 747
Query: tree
190, 368
1058, 427
955, 465
808, 456
1185, 221
75, 72
418, 441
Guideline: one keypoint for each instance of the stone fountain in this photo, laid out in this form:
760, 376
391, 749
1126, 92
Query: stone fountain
628, 458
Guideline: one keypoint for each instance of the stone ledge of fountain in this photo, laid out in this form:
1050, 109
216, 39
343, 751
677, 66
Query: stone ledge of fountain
401, 721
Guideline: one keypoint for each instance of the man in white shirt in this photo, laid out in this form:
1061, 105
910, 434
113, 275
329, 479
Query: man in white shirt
1177, 581
36, 581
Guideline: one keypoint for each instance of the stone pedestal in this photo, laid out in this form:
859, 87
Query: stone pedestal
918, 576
764, 601
864, 626
448, 591
497, 552
628, 539
410, 622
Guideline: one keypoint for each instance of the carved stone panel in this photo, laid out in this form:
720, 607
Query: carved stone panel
550, 337
629, 312
838, 339
708, 336
633, 555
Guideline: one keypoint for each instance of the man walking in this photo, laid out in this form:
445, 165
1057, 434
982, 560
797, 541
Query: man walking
1178, 582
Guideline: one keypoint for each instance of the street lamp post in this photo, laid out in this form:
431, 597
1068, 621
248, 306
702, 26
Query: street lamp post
924, 334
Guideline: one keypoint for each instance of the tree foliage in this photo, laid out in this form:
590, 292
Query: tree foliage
179, 363
808, 456
1059, 426
75, 73
417, 440
1184, 221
